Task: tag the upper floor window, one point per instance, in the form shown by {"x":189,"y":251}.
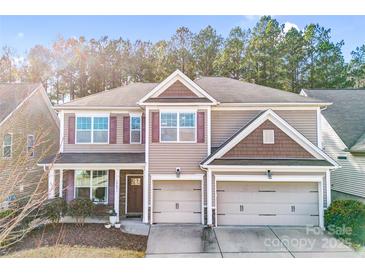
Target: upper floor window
{"x":92,"y":184}
{"x":92,"y":130}
{"x":178,"y":126}
{"x":30,"y":145}
{"x":135,"y":129}
{"x":7,"y":145}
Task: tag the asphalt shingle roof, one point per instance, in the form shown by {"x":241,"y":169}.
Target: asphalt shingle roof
{"x":346,"y":115}
{"x":94,"y":158}
{"x":271,"y":162}
{"x":224,"y":90}
{"x":11,"y":95}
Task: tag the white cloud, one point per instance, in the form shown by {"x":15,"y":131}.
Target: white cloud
{"x":288,"y":26}
{"x":20,"y":35}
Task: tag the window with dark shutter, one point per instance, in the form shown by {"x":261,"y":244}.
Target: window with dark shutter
{"x":201,"y":127}
{"x":113,"y":130}
{"x":126,"y":130}
{"x":155,"y":127}
{"x":71,"y":129}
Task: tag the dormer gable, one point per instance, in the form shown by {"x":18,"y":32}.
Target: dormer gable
{"x":177,"y":88}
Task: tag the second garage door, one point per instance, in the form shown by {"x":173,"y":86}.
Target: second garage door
{"x":177,"y":201}
{"x":267,"y":203}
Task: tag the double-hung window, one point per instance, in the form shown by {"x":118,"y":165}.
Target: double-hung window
{"x":92,"y":184}
{"x":135,"y":129}
{"x":178,"y":127}
{"x":7,"y":145}
{"x":92,"y":130}
{"x":30,"y":145}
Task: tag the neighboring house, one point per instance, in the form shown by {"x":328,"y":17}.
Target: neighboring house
{"x":214,"y":151}
{"x":29,"y":129}
{"x":343,"y":134}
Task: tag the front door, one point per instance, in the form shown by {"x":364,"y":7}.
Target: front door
{"x":135,"y":194}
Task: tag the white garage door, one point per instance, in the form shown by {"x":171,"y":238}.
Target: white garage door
{"x":177,"y":201}
{"x":267,"y":203}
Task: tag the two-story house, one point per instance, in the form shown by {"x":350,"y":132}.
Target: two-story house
{"x":214,"y":151}
{"x":29,"y":130}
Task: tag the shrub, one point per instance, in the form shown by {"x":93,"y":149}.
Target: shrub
{"x":54,"y":209}
{"x":80,"y":209}
{"x":346,"y":219}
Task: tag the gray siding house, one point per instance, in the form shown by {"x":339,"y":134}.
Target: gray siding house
{"x":343,"y":137}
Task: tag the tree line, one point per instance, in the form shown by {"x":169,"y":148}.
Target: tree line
{"x":267,"y":55}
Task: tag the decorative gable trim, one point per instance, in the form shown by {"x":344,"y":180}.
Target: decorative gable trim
{"x":169,"y":81}
{"x":281,"y":124}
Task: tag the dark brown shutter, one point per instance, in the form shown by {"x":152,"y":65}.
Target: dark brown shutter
{"x":113,"y":130}
{"x":70,"y":195}
{"x":201,"y":127}
{"x":155,"y":127}
{"x":71,"y":129}
{"x":126,"y":130}
{"x":111,"y":187}
{"x":143,"y":129}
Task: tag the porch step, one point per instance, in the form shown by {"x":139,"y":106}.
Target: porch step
{"x":134,"y":226}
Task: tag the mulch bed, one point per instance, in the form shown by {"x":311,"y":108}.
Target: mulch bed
{"x":94,"y":235}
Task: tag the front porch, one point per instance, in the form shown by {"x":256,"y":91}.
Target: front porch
{"x":110,"y":182}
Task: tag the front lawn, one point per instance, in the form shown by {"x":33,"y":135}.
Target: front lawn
{"x":62,"y":251}
{"x":72,"y":240}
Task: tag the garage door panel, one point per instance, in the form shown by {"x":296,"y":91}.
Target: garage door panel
{"x":297,"y":220}
{"x":177,"y":185}
{"x":269,"y":208}
{"x":177,"y":201}
{"x":267,"y":203}
{"x":266,"y":186}
{"x":267,"y":197}
{"x":177,"y":195}
{"x":176,"y":217}
{"x":178,"y":206}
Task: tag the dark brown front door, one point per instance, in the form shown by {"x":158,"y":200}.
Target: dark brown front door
{"x":135,"y":194}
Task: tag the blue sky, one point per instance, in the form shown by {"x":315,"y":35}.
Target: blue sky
{"x":23,"y":32}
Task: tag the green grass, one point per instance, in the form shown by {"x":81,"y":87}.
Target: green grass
{"x":63,"y":251}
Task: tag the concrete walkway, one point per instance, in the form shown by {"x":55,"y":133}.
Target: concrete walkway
{"x":179,"y":241}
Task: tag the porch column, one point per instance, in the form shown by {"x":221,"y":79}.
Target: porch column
{"x":145,"y":195}
{"x":51,"y":183}
{"x":116,"y":191}
{"x":209,"y":198}
{"x":61,"y":184}
{"x":328,"y":185}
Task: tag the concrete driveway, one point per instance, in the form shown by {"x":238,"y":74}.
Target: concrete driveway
{"x":243,"y":242}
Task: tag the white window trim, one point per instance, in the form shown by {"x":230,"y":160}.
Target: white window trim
{"x":33,"y":152}
{"x":139,"y":115}
{"x":11,"y":146}
{"x":91,"y":187}
{"x":266,"y":137}
{"x":92,"y":128}
{"x":178,"y":112}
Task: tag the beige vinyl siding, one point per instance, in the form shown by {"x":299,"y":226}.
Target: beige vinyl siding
{"x":227,"y":122}
{"x":118,"y":147}
{"x":350,"y":178}
{"x":165,"y":157}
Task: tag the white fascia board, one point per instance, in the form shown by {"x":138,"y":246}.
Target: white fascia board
{"x":226,"y":107}
{"x":157,"y":177}
{"x":178,"y":104}
{"x":106,"y":108}
{"x":172,"y":78}
{"x":222,"y":104}
{"x":220,"y":168}
{"x":285,"y":127}
{"x":303,"y":93}
{"x":264,"y":178}
{"x":94,"y":166}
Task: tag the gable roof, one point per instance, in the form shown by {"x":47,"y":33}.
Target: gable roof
{"x":346,"y":115}
{"x":281,"y":124}
{"x":176,"y":76}
{"x":227,"y":90}
{"x":12,"y":95}
{"x":210,"y":90}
